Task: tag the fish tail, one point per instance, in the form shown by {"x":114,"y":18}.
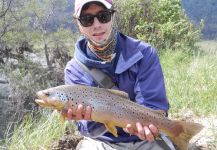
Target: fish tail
{"x":189,"y":130}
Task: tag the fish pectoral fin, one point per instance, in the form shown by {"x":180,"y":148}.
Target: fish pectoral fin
{"x":111,"y":128}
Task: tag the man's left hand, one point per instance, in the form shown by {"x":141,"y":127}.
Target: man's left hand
{"x":143,"y":132}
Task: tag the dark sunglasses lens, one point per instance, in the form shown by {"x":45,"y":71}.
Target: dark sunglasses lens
{"x":86,"y":20}
{"x":104,"y":17}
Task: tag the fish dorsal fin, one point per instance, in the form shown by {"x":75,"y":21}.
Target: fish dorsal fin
{"x":119,"y":93}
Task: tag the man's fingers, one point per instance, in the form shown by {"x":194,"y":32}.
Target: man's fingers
{"x":87,"y":114}
{"x":79,"y":112}
{"x":141,"y":132}
{"x":69,"y":114}
{"x":153,"y":129}
{"x":148,"y":134}
{"x":129,"y":129}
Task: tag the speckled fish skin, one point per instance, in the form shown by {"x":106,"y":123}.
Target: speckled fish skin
{"x":113,"y":108}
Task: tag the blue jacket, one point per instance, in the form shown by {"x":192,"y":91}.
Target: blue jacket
{"x":136,"y":70}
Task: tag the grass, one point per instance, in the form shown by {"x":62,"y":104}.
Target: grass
{"x":36,"y":134}
{"x":190,"y":83}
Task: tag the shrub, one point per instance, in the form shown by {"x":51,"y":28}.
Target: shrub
{"x":159,"y":22}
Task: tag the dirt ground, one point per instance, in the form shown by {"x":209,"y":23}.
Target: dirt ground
{"x":205,"y":140}
{"x":67,"y":142}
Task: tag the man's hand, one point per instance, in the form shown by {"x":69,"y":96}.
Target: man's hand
{"x":79,"y":113}
{"x":143,"y":132}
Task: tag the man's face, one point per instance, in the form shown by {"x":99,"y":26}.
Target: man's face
{"x":98,"y":32}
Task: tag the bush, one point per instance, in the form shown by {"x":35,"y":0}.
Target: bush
{"x":159,"y":22}
{"x":24,"y":80}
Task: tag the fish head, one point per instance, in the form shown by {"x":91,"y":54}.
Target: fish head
{"x":51,"y":98}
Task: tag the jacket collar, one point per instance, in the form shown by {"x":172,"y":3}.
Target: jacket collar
{"x":130,"y":53}
{"x":129,"y":49}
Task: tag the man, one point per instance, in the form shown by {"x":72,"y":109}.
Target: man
{"x":134,"y":68}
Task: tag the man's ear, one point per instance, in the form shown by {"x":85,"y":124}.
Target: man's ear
{"x":77,"y":23}
{"x":79,"y":27}
{"x":74,"y":20}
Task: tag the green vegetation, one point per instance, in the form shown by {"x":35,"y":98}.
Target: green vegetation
{"x":161,"y":23}
{"x":190,"y":81}
{"x":37,"y":29}
{"x":38,"y":133}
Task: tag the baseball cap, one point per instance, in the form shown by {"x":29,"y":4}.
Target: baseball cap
{"x":80,"y":3}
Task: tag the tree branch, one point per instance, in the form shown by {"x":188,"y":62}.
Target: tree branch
{"x":4,"y":13}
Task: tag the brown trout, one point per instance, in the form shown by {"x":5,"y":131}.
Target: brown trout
{"x":113,"y":108}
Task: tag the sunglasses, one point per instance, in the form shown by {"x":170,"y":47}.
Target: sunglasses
{"x":103,"y":17}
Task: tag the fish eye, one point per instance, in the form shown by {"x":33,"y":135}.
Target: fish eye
{"x":46,"y":93}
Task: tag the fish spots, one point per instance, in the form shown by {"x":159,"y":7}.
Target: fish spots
{"x":120,"y":115}
{"x":70,"y":97}
{"x":84,"y":93}
{"x":62,"y":96}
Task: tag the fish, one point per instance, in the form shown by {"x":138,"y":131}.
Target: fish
{"x":114,"y":109}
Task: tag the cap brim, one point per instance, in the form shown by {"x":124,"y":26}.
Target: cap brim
{"x":105,"y":3}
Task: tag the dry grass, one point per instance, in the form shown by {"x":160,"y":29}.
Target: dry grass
{"x":208,"y":46}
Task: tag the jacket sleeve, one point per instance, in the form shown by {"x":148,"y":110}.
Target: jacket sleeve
{"x":73,"y":74}
{"x":149,"y":87}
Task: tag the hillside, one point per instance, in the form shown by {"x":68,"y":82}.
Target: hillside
{"x":198,"y":10}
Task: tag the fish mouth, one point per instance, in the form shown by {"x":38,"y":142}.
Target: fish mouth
{"x":42,"y":94}
{"x":45,"y":99}
{"x":40,"y":102}
{"x":50,"y":104}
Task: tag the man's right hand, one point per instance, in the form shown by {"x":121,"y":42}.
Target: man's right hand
{"x":79,"y":113}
